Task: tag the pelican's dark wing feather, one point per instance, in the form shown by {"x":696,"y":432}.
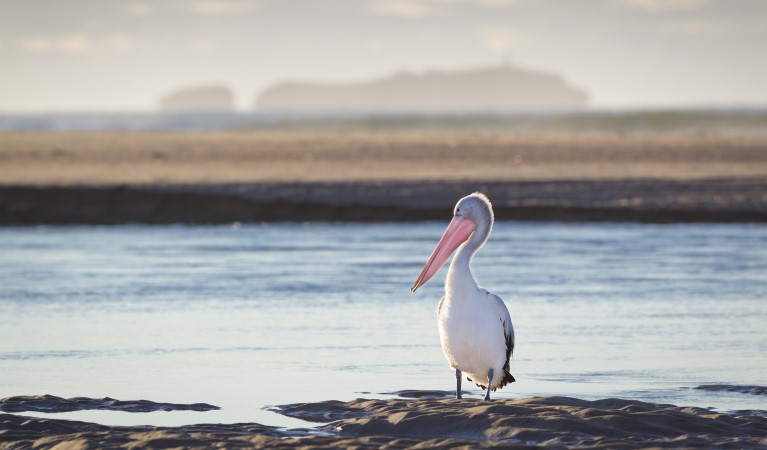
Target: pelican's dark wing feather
{"x":508,"y":334}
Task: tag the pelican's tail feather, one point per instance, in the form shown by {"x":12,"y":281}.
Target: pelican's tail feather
{"x":507,"y":378}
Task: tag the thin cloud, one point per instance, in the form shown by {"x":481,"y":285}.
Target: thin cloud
{"x":221,"y":7}
{"x":661,"y":6}
{"x":69,"y":44}
{"x":140,"y":9}
{"x":120,"y":42}
{"x":73,"y":44}
{"x":499,"y":39}
{"x":407,"y":9}
{"x":700,"y":26}
{"x":370,"y":44}
{"x":412,"y":9}
{"x":203,"y":46}
{"x":482,"y":2}
{"x":691,"y":26}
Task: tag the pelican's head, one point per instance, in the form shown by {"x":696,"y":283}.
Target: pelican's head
{"x":471,"y":212}
{"x":477,"y":208}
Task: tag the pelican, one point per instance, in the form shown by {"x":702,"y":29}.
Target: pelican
{"x":474,"y":324}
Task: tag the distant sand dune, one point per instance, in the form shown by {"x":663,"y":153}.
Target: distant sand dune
{"x":229,"y":157}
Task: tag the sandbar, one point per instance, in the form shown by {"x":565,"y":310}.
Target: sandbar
{"x":261,"y":176}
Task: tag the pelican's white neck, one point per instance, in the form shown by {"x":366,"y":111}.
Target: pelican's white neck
{"x":459,"y":275}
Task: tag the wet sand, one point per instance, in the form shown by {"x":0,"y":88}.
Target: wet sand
{"x":220,"y":177}
{"x":753,"y":390}
{"x":54,"y":404}
{"x":152,"y":158}
{"x":650,"y":201}
{"x":553,"y":422}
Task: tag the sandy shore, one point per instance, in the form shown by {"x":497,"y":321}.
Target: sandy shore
{"x":49,"y":158}
{"x":551,"y":422}
{"x":221,"y":177}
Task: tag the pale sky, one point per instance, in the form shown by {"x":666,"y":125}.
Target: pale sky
{"x":123,"y":55}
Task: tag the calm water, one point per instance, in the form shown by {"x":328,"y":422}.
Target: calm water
{"x":251,"y":316}
{"x":717,"y":120}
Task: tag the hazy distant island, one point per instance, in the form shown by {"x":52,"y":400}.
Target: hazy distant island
{"x":212,"y":98}
{"x":503,"y":88}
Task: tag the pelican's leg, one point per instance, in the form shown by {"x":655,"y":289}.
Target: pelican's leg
{"x":457,"y":383}
{"x":489,"y":383}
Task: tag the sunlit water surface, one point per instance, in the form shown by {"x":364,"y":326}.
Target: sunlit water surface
{"x":252,"y":316}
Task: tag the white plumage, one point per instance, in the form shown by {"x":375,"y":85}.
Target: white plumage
{"x":475,"y":326}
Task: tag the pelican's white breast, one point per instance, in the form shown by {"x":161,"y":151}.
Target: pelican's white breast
{"x":472,"y":334}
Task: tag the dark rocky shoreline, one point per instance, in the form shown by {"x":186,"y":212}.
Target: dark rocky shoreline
{"x":643,"y":200}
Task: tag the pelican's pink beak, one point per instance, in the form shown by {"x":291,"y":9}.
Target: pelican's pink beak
{"x":457,"y":233}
